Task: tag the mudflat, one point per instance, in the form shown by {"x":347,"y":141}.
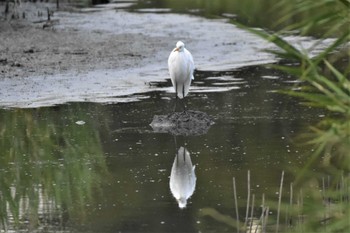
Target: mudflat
{"x":110,"y":54}
{"x":28,"y":48}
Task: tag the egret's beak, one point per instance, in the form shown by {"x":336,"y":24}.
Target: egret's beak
{"x":176,"y":49}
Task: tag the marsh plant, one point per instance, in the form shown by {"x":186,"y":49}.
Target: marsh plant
{"x":319,"y":197}
{"x":49,"y":169}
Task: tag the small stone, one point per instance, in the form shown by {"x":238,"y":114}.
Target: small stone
{"x":80,"y":122}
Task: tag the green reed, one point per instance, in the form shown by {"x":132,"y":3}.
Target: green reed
{"x":49,"y":168}
{"x":321,"y":202}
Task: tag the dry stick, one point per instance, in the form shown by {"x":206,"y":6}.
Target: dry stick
{"x":323,"y":189}
{"x":299,"y":222}
{"x":261,"y":220}
{"x":328,"y":201}
{"x":236,"y":203}
{"x":346,"y":187}
{"x":291,"y":203}
{"x":290,"y":207}
{"x":337,"y":187}
{"x":301,"y":217}
{"x":248,"y":198}
{"x":251,"y":214}
{"x":48,"y":14}
{"x":328,"y":181}
{"x":279,"y":202}
{"x":263,"y":210}
{"x":7,"y":7}
{"x":324,"y":201}
{"x":267,"y":211}
{"x":342,"y":190}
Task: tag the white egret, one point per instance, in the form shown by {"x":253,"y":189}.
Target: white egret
{"x":182,"y":178}
{"x":181,"y":68}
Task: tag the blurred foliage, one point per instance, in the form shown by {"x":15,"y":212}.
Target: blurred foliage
{"x":318,"y":205}
{"x":330,"y":15}
{"x":326,"y":86}
{"x":321,"y":203}
{"x":269,"y":14}
{"x":48,"y":168}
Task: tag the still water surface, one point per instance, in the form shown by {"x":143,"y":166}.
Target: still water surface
{"x":86,"y":167}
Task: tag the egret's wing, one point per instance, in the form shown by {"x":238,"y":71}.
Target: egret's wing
{"x":191,"y":66}
{"x":171,"y":59}
{"x":171,"y":66}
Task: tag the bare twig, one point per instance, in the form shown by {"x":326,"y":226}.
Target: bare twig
{"x":279,"y":202}
{"x":263,"y":211}
{"x":236,"y":203}
{"x":266,"y":218}
{"x":291,"y":203}
{"x":252,"y":213}
{"x":248,"y":198}
{"x":261,"y":220}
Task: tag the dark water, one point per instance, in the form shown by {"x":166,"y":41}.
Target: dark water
{"x":248,"y":12}
{"x":265,"y":14}
{"x":85,"y":167}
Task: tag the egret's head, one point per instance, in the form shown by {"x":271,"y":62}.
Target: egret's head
{"x":180,"y":46}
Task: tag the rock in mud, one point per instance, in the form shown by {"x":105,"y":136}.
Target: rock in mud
{"x":183,"y":123}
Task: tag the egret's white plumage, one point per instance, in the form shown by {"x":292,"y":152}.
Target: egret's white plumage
{"x":181,"y":68}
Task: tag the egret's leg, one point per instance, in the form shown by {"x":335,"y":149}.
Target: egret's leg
{"x":185,"y":107}
{"x":184,"y":101}
{"x":176,"y":91}
{"x":175,"y":105}
{"x":175,"y":97}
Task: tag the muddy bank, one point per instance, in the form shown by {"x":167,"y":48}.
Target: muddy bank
{"x":27,"y":49}
{"x":107,"y":54}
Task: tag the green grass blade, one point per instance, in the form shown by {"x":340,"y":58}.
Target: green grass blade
{"x":274,"y":38}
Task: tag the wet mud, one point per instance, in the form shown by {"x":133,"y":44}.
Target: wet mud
{"x":186,"y":123}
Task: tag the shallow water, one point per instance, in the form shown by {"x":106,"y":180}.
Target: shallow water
{"x":87,"y":167}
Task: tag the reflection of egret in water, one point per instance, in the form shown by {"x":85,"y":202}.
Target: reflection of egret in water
{"x":182,"y":177}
